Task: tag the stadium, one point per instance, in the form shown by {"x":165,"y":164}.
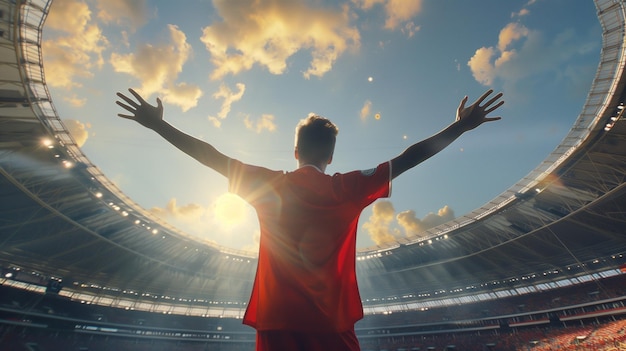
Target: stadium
{"x":539,"y":267}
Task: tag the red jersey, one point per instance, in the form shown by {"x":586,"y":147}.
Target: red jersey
{"x":306,"y":278}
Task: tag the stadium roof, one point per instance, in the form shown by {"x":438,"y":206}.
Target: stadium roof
{"x":61,"y":218}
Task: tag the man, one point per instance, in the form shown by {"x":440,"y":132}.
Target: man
{"x":305,"y":295}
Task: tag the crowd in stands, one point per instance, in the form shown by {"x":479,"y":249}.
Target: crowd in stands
{"x":609,"y":336}
{"x":595,"y":311}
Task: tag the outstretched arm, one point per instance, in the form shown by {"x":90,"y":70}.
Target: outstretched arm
{"x":151,"y":117}
{"x":467,"y":118}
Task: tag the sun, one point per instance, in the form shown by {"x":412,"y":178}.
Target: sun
{"x":230,"y":210}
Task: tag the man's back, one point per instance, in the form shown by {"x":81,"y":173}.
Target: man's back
{"x":306,"y":276}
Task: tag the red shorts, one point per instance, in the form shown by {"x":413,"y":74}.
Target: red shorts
{"x":278,"y":340}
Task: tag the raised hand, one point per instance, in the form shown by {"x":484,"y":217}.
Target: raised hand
{"x":143,"y":113}
{"x":474,"y":115}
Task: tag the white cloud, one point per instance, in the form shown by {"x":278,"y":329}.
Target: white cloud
{"x":131,"y":12}
{"x":76,"y":45}
{"x":410,"y":28}
{"x":157,"y":68}
{"x":413,"y":226}
{"x":182,"y":94}
{"x":225,"y":221}
{"x":265,"y":122}
{"x":78,"y":131}
{"x":524,"y":11}
{"x":69,"y":16}
{"x":75,"y":100}
{"x":511,"y":33}
{"x":229,"y":97}
{"x":365,"y":110}
{"x":227,"y":210}
{"x":217,"y":123}
{"x":269,"y":32}
{"x":521,"y":13}
{"x":378,"y":226}
{"x":382,"y":224}
{"x":367,"y":4}
{"x":398,"y":13}
{"x":488,"y":62}
{"x":481,"y":66}
{"x":188,"y":212}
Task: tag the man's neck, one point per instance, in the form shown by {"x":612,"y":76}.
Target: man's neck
{"x":319,"y":167}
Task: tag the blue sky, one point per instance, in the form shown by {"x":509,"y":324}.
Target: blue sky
{"x":241,"y":74}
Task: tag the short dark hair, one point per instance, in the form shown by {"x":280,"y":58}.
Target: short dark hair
{"x":315,"y":139}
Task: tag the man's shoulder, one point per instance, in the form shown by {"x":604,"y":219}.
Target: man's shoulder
{"x":235,"y":166}
{"x":369,"y":172}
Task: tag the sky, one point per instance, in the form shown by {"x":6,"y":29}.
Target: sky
{"x":240,"y":74}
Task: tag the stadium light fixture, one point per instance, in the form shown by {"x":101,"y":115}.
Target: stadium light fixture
{"x":47,"y":142}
